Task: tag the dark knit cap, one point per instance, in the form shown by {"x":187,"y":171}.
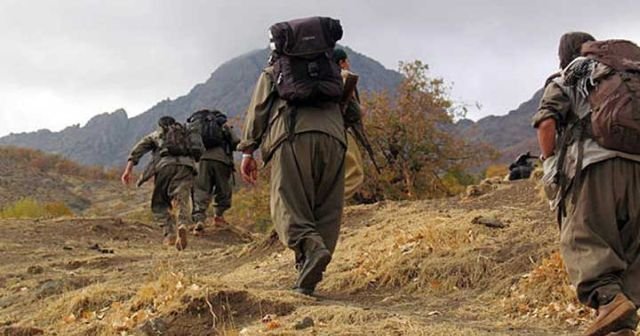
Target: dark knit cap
{"x":339,"y":55}
{"x":166,"y":121}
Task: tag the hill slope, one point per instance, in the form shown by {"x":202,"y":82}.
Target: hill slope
{"x":44,"y":178}
{"x":106,"y":139}
{"x":401,"y":268}
{"x":512,"y":133}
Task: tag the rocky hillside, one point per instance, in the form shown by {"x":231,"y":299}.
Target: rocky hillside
{"x":106,"y":139}
{"x":512,"y":133}
{"x":26,"y":173}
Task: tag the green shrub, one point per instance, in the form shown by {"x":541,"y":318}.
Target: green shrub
{"x":30,"y":208}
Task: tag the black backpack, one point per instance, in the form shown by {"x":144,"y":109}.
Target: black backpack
{"x":209,"y":124}
{"x":303,"y":63}
{"x":179,"y":140}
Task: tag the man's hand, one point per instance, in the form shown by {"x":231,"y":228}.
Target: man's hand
{"x":127,"y":175}
{"x":363,"y":112}
{"x":249,"y":169}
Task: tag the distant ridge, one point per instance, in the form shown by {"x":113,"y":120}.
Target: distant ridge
{"x":107,"y":138}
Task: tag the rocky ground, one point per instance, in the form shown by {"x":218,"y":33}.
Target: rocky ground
{"x":479,"y":265}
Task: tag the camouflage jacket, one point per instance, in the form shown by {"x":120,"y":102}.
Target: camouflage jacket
{"x":266,"y":123}
{"x":152,"y":143}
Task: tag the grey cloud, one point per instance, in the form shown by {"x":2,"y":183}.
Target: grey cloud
{"x":94,"y":56}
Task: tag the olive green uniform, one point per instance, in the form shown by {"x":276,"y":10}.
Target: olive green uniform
{"x":307,"y":168}
{"x":173,"y":179}
{"x":600,"y":229}
{"x":353,"y":165}
{"x":214,"y":180}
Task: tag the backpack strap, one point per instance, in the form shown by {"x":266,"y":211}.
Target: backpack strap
{"x":290,"y":111}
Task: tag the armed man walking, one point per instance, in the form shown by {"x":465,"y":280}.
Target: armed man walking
{"x":175,"y":150}
{"x":588,"y":126}
{"x":214,"y":180}
{"x":353,"y":166}
{"x":295,"y":119}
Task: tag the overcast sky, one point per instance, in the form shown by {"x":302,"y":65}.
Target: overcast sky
{"x":61,"y":62}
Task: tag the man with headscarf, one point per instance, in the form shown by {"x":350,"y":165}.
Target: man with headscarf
{"x":597,"y":194}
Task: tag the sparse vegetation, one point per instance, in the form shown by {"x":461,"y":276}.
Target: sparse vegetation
{"x":496,"y":170}
{"x":411,"y":133}
{"x":546,"y":293}
{"x":30,"y":208}
{"x":251,"y":205}
{"x":40,"y":161}
{"x":401,"y":268}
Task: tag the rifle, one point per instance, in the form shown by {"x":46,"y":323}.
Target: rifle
{"x":354,"y":122}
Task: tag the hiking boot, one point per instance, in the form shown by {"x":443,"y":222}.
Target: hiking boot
{"x":169,"y":233}
{"x":623,"y":332}
{"x":311,"y":272}
{"x":304,"y":291}
{"x":181,"y":240}
{"x":220,"y":221}
{"x":169,"y":240}
{"x":198,"y":229}
{"x":612,"y":317}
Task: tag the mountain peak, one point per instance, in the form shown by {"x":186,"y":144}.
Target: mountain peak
{"x":107,"y":138}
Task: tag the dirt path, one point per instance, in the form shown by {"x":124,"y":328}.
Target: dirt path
{"x":108,"y":276}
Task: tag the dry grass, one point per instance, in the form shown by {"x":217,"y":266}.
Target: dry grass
{"x":87,"y":304}
{"x":497,"y":170}
{"x":546,"y":293}
{"x":401,"y":268}
{"x":429,"y":252}
{"x":250,"y":208}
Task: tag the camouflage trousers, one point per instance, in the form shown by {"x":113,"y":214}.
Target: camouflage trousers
{"x":170,"y":202}
{"x":212,"y":183}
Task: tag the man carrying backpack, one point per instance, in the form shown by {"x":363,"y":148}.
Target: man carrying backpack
{"x":521,"y":168}
{"x":295,"y":119}
{"x":588,"y":126}
{"x":216,"y":167}
{"x":175,"y":150}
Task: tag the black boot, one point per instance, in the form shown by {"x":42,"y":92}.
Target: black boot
{"x":316,"y":259}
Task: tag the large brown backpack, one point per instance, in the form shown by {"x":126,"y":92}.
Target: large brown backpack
{"x":615,"y":99}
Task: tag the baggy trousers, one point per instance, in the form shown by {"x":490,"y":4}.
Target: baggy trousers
{"x":307,"y":191}
{"x":600,"y":237}
{"x":171,"y":194}
{"x":354,"y":169}
{"x":213,"y":182}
